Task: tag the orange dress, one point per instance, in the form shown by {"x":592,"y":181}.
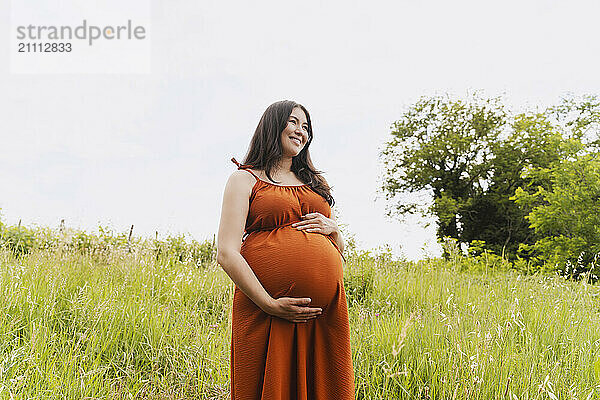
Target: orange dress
{"x":273,"y":358}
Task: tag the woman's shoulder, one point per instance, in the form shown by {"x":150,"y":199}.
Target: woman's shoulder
{"x":242,"y":175}
{"x":241,"y":181}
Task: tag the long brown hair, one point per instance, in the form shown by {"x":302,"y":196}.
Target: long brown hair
{"x":265,"y":149}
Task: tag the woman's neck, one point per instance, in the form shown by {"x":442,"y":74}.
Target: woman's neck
{"x":284,"y":165}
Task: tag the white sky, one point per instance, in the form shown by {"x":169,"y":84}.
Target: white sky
{"x":154,"y":150}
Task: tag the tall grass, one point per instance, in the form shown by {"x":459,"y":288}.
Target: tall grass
{"x":128,"y":324}
{"x":430,"y":330}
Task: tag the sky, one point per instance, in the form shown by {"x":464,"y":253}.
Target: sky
{"x":153,"y":149}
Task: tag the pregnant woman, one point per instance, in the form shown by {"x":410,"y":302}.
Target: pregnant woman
{"x":280,"y":244}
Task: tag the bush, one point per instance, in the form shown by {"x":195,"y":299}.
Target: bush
{"x":565,"y":215}
{"x":19,"y":240}
{"x":106,"y":244}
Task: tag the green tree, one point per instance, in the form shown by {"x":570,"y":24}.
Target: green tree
{"x":531,"y":141}
{"x":470,"y":157}
{"x":565,"y":215}
{"x":441,"y":146}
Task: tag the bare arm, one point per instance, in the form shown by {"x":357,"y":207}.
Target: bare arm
{"x":229,"y":240}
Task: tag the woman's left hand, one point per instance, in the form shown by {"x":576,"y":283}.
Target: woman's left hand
{"x":316,"y":222}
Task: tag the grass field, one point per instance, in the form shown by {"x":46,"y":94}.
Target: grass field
{"x":125,"y":325}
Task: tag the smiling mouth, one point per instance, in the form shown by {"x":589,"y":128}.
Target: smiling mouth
{"x":296,"y":140}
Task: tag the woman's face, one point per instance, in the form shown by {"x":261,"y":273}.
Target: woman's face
{"x":295,"y":135}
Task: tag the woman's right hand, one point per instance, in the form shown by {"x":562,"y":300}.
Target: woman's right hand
{"x":293,"y":309}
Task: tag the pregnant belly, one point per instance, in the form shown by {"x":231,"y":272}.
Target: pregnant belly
{"x":293,"y":263}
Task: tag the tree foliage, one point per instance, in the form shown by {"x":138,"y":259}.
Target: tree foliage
{"x":566,"y":217}
{"x":472,"y":155}
{"x":442,"y":146}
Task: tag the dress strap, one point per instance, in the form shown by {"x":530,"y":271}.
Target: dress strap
{"x":244,"y":167}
